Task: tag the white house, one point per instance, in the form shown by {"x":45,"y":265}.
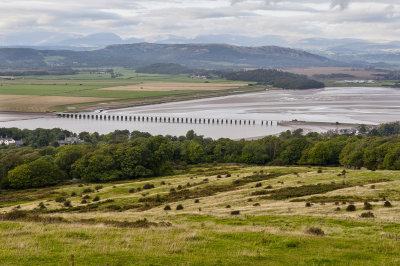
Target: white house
{"x":6,"y":141}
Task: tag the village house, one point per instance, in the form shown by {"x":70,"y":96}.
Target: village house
{"x":70,"y":141}
{"x":10,"y":141}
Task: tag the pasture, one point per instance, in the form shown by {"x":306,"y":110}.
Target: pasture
{"x":207,"y":215}
{"x":95,"y":90}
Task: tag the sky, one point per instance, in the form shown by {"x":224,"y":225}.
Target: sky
{"x":44,"y":21}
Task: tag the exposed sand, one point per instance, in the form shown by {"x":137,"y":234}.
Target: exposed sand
{"x":174,"y":86}
{"x":31,"y":103}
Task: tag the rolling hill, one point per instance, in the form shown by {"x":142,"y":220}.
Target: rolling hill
{"x":189,"y":55}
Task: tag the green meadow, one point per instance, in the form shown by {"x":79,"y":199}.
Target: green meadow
{"x":216,"y":215}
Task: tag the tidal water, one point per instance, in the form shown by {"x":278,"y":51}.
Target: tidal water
{"x":361,"y":105}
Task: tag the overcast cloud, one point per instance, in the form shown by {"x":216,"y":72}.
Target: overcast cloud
{"x":155,"y":19}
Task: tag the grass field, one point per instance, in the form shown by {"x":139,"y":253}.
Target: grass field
{"x":231,"y":215}
{"x":92,"y":89}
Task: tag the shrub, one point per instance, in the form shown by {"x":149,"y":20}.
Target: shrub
{"x":60,"y":199}
{"x":162,"y":182}
{"x":167,"y":208}
{"x":98,"y":187}
{"x":367,"y":215}
{"x":249,"y":200}
{"x":387,"y":204}
{"x":372,"y":186}
{"x":139,"y":189}
{"x":196,"y":201}
{"x":235,"y":212}
{"x":97,"y":198}
{"x":319,"y":171}
{"x":132,"y":190}
{"x":73,"y":194}
{"x":88,"y":190}
{"x":219,"y":176}
{"x":114,"y":207}
{"x":259,"y":184}
{"x":315,"y":231}
{"x":351,"y":208}
{"x":148,"y":186}
{"x":308,"y":204}
{"x":227,"y":206}
{"x":14,"y":215}
{"x":41,"y":205}
{"x":179,"y":207}
{"x":80,"y":185}
{"x":228,"y":175}
{"x":86,"y":197}
{"x":179,"y":187}
{"x":367,"y":206}
{"x":172,"y":190}
{"x":337,"y":209}
{"x":268,"y":187}
{"x":256,"y":204}
{"x":83,"y":201}
{"x":336,"y":203}
{"x":67,"y":203}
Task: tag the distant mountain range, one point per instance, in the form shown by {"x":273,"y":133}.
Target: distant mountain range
{"x":189,"y":55}
{"x":345,"y":50}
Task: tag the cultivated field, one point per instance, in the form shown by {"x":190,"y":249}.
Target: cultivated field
{"x":208,"y":215}
{"x":176,"y":86}
{"x":95,"y":90}
{"x":30,"y":103}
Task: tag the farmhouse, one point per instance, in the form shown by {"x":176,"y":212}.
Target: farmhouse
{"x":70,"y":141}
{"x":10,"y":141}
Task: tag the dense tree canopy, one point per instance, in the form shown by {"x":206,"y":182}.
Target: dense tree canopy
{"x":127,"y":155}
{"x":276,"y":78}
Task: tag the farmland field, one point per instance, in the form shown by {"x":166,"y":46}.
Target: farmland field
{"x":225,"y":215}
{"x":94,"y":90}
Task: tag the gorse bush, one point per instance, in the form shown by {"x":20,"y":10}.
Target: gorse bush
{"x":367,"y":206}
{"x":351,"y":208}
{"x":367,"y":215}
{"x":60,"y":199}
{"x":387,"y":204}
{"x":148,"y":186}
{"x":315,"y":231}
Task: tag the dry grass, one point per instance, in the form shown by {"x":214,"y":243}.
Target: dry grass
{"x":32,"y":103}
{"x":275,"y":227}
{"x":174,"y":86}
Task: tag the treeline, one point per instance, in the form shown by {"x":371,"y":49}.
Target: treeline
{"x":164,"y":68}
{"x":40,"y":72}
{"x":275,"y":78}
{"x":333,"y":76}
{"x":128,"y":155}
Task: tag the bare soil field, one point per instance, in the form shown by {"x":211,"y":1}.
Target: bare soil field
{"x":358,"y":73}
{"x":33,"y":103}
{"x":174,"y":86}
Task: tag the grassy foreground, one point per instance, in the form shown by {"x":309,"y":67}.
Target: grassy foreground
{"x":231,"y":215}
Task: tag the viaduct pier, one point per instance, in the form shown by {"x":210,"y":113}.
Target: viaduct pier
{"x":167,"y":119}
